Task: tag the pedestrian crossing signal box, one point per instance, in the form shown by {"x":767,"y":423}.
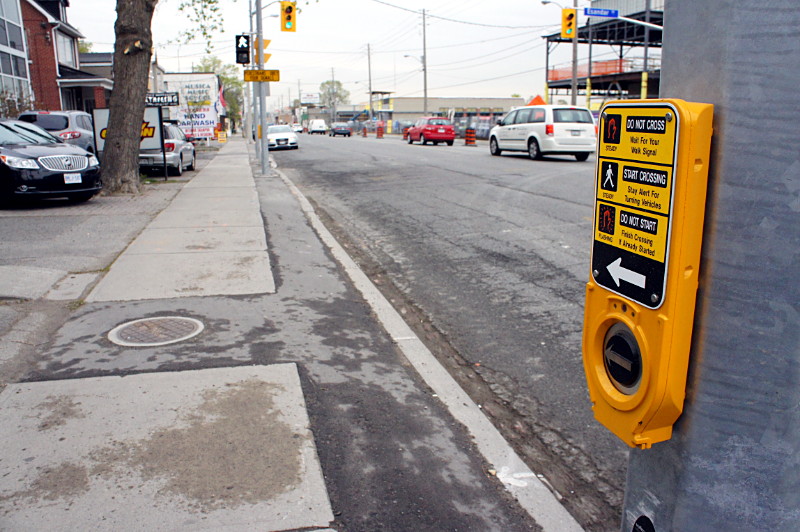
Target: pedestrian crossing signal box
{"x":650,"y":192}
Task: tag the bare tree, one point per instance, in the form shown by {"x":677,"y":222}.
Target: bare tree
{"x":132,"y":52}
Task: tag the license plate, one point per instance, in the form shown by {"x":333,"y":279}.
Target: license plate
{"x":441,"y":130}
{"x":72,"y":178}
{"x":282,"y":141}
{"x":576,"y":132}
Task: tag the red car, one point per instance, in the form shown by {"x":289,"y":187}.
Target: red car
{"x":434,"y":129}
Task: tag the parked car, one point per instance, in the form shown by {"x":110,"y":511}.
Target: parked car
{"x":74,"y":127}
{"x":434,"y":129}
{"x":297,"y":128}
{"x":545,"y":129}
{"x":180,"y":153}
{"x":36,"y":164}
{"x":340,"y":128}
{"x":281,"y":137}
{"x":317,"y":126}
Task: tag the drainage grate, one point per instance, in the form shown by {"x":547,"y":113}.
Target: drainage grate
{"x":152,"y":332}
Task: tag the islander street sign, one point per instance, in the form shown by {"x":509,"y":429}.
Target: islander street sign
{"x":633,"y":205}
{"x":161,"y":99}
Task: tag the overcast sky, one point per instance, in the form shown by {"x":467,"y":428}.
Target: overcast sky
{"x":475,"y":48}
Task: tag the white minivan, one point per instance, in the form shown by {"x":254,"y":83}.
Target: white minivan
{"x":544,"y":130}
{"x":317,"y":126}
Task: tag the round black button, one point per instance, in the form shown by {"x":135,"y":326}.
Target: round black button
{"x":622,"y":358}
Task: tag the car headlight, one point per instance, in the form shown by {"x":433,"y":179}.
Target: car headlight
{"x":93,"y":161}
{"x":19,"y":162}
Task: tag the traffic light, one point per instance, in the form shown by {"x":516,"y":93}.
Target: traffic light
{"x":243,"y":49}
{"x":288,"y":16}
{"x":569,"y":23}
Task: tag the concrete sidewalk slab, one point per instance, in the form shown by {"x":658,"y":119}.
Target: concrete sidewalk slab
{"x":158,"y":275}
{"x":209,"y":241}
{"x":203,"y":217}
{"x":199,"y":240}
{"x":27,"y":282}
{"x":217,"y":449}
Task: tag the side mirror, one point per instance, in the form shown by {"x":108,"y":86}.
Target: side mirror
{"x":499,"y":121}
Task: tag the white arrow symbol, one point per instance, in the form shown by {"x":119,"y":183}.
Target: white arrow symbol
{"x":618,"y":272}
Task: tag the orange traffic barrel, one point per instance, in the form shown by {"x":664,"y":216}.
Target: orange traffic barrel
{"x":469,"y":138}
{"x":405,"y":133}
{"x":380,"y":132}
{"x":364,"y":131}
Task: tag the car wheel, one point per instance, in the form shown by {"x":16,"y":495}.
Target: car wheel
{"x":178,"y":170}
{"x":423,"y":140}
{"x":410,"y":140}
{"x":533,"y":149}
{"x":449,"y":142}
{"x":191,"y":163}
{"x":581,"y":156}
{"x":494,"y":149}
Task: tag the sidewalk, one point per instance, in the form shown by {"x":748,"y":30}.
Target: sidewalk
{"x":249,"y":386}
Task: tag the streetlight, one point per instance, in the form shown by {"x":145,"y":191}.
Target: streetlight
{"x":424,"y":81}
{"x":574,"y":84}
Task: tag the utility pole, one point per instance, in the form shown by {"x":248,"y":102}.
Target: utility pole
{"x":732,"y":461}
{"x":574,"y":84}
{"x":333,"y":97}
{"x":262,"y":115}
{"x":425,"y":65}
{"x":369,"y":72}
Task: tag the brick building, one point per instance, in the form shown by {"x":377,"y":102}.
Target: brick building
{"x":56,"y":80}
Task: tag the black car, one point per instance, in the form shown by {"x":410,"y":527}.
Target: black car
{"x":340,"y":128}
{"x":35,"y":164}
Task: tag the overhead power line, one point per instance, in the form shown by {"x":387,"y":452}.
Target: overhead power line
{"x":459,"y":21}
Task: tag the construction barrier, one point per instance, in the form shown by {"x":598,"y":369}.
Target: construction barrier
{"x":469,"y":138}
{"x":364,"y":132}
{"x":380,"y":132}
{"x":405,"y":133}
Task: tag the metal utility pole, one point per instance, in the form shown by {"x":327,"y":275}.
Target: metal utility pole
{"x":251,"y":116}
{"x":369,"y":72}
{"x":333,"y":96}
{"x":732,"y":461}
{"x":262,"y":115}
{"x":425,"y":64}
{"x":574,"y":84}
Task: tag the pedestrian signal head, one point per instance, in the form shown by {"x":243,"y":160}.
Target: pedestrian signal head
{"x":569,"y":23}
{"x":288,"y":16}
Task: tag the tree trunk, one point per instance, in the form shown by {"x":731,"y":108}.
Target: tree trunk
{"x":132,"y":52}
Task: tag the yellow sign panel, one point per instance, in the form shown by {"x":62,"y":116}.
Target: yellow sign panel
{"x":645,"y":134}
{"x":650,"y":183}
{"x":262,"y":75}
{"x":634,"y":184}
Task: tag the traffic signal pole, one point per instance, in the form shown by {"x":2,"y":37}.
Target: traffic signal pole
{"x":262,"y":114}
{"x":733,"y":461}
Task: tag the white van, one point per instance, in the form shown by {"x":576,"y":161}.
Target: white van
{"x":317,"y":126}
{"x":546,"y":129}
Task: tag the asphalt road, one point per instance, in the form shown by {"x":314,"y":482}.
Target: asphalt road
{"x":488,"y":257}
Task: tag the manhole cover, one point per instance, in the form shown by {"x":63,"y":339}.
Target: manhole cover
{"x":152,"y":332}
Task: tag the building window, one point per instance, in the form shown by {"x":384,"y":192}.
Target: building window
{"x":15,"y":37}
{"x":66,"y":50}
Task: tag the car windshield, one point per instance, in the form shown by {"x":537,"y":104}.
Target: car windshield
{"x":581,"y":116}
{"x":279,"y":129}
{"x":47,"y":121}
{"x":439,"y":122}
{"x":17,"y":133}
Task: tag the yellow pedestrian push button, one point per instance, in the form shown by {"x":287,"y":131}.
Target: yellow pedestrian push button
{"x":650,"y":191}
